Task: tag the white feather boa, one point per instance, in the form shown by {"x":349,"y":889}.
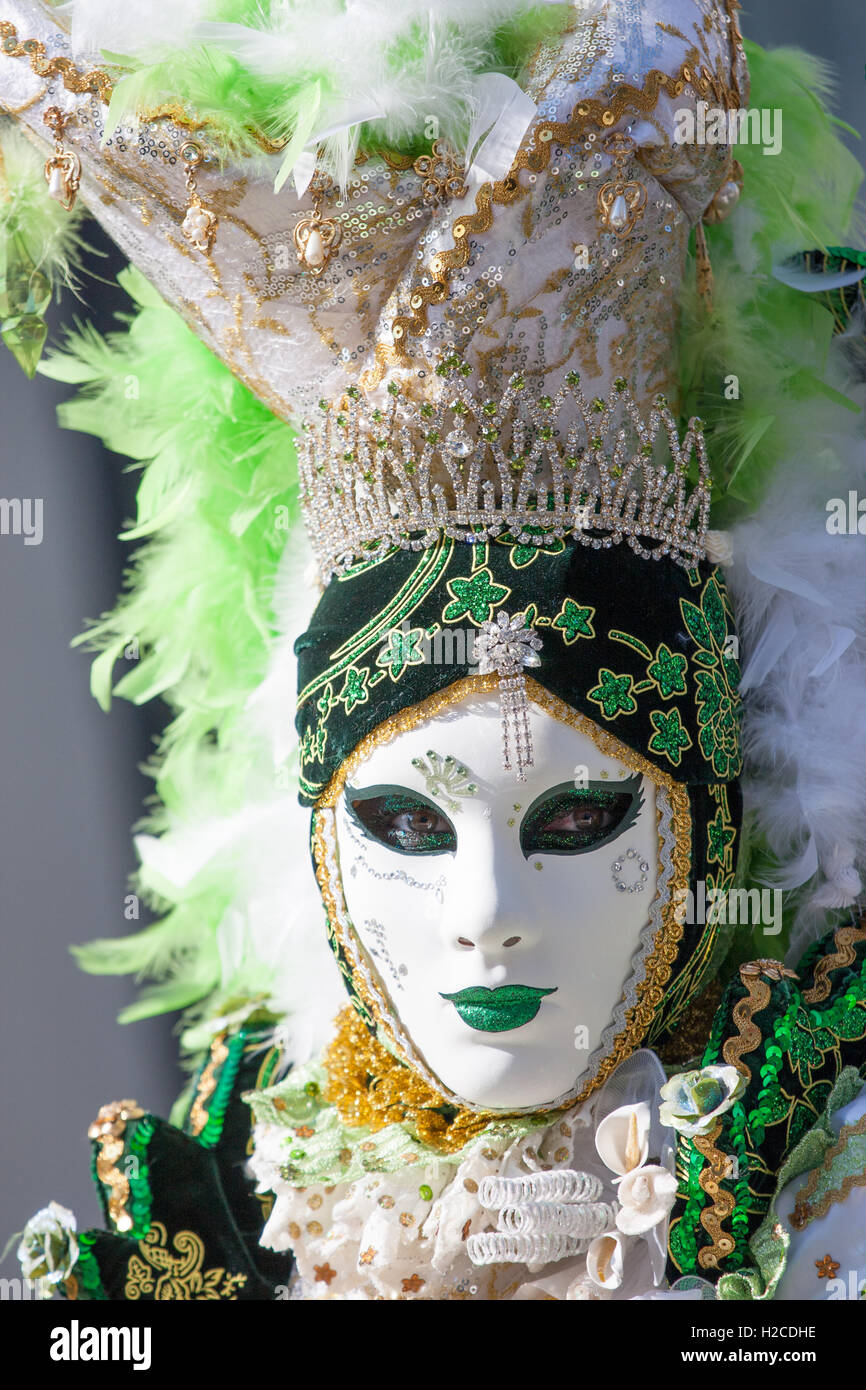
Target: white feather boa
{"x":800,"y":597}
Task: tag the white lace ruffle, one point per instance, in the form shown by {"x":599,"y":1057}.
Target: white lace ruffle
{"x":534,"y":1207}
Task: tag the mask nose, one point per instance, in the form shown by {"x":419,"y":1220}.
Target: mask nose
{"x":488,"y":907}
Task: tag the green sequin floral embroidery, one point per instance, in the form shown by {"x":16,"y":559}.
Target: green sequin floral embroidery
{"x":354,"y":690}
{"x":717,"y":681}
{"x":402,"y":649}
{"x":312,"y":746}
{"x":720,"y":840}
{"x":668,"y":670}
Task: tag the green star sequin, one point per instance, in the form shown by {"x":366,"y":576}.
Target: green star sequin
{"x":668,"y":671}
{"x":354,"y":690}
{"x":613,"y":693}
{"x":720,"y":838}
{"x":475,"y":598}
{"x":402,"y":649}
{"x":670,"y":737}
{"x":574,"y":621}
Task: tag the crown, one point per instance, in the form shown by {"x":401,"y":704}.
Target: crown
{"x":532,"y":466}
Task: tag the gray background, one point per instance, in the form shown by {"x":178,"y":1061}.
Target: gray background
{"x":70,"y":788}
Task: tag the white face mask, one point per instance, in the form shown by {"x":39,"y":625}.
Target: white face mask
{"x":502,"y":918}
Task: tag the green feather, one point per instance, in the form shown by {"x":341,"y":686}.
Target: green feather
{"x":216,"y":466}
{"x":774,"y":340}
{"x":40,"y":247}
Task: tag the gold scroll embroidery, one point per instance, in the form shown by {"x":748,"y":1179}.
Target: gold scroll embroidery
{"x":164,"y":1276}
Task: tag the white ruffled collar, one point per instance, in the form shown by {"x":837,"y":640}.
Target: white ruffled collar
{"x":578,"y":1210}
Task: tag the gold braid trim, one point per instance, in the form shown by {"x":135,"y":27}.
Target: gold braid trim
{"x":589,"y":111}
{"x":718,"y":1165}
{"x":804,"y":1211}
{"x":73,"y":80}
{"x":207,"y":1084}
{"x":844,"y":955}
{"x":370,"y":1087}
{"x":108,"y":1130}
{"x":749,"y":1034}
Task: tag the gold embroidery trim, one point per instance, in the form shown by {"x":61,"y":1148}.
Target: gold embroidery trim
{"x":738,"y":51}
{"x":659,"y":962}
{"x":717,"y":1167}
{"x":73,"y":80}
{"x":370,"y":1087}
{"x":844,"y":955}
{"x":162,"y":1276}
{"x":207,"y":1084}
{"x":588,"y":111}
{"x":804,"y":1211}
{"x":108,"y":1130}
{"x":748,"y":1033}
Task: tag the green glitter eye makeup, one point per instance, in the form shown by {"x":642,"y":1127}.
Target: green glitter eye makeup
{"x":403,"y":820}
{"x":572,"y":820}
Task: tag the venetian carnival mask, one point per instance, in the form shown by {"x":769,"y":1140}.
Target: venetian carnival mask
{"x":502,"y":918}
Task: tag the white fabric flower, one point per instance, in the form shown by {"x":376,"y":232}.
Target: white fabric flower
{"x":605,"y":1260}
{"x":646,"y":1196}
{"x":622,"y":1138}
{"x":693,"y":1100}
{"x":49,"y":1248}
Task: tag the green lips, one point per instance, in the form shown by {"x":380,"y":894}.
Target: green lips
{"x":497,"y":1010}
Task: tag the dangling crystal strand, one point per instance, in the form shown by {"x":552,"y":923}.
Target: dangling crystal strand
{"x":515,"y":721}
{"x":505,"y":721}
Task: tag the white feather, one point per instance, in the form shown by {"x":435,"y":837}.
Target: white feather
{"x":142,"y":30}
{"x":348,"y":45}
{"x":800,"y":597}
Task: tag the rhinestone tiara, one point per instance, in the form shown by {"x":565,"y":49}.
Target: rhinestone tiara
{"x":532,"y":466}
